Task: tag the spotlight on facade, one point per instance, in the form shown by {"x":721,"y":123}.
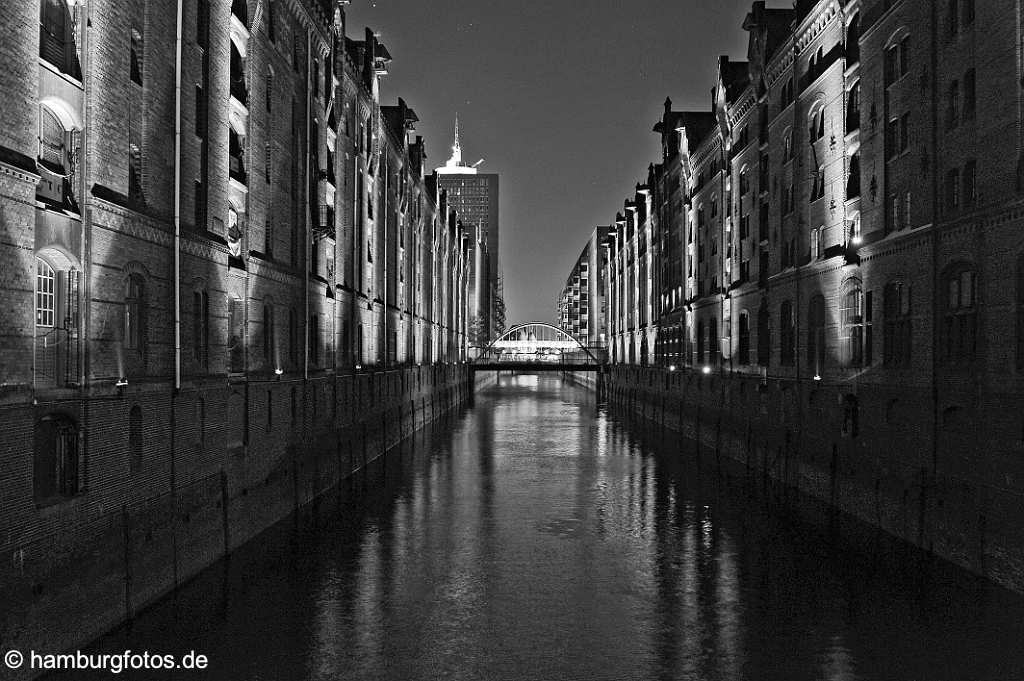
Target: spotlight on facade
{"x":707,"y":370}
{"x":817,"y":377}
{"x":671,"y":367}
{"x":359,"y":367}
{"x":856,"y":241}
{"x":121,"y":383}
{"x":277,"y":372}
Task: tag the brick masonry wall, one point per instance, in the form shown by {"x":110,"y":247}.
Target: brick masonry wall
{"x":895,"y":472}
{"x":73,"y":571}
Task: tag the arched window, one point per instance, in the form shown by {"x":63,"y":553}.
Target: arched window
{"x":854,"y":323}
{"x":45,"y":294}
{"x":853,"y":108}
{"x":816,"y":335}
{"x":743,"y":355}
{"x":52,"y":141}
{"x":787,"y":148}
{"x":236,"y":334}
{"x":960,"y":316}
{"x":896,"y":343}
{"x":236,"y":151}
{"x":135,"y":314}
{"x":817,"y":122}
{"x":135,"y":438}
{"x":55,"y":459}
{"x":764,"y":341}
{"x":787,"y":334}
{"x":853,"y":40}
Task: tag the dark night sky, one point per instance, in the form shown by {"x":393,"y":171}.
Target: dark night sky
{"x":559,"y":97}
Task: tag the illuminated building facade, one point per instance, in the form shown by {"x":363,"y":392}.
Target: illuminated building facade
{"x":581,"y":306}
{"x":474,"y":196}
{"x":200,"y":265}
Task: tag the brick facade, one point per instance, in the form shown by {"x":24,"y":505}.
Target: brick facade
{"x":163,"y":351}
{"x":851,"y":226}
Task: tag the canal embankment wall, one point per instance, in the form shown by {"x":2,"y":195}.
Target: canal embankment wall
{"x":881,"y":455}
{"x":206,"y":483}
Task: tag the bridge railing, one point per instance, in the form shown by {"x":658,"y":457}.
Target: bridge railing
{"x":589,"y":356}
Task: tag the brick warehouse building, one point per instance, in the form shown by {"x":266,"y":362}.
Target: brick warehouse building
{"x":841,"y":265}
{"x":151,"y":427}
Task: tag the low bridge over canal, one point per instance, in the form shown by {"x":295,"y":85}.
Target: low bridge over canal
{"x":538,"y":346}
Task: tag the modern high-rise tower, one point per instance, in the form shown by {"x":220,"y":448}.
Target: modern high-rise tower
{"x":474,"y":195}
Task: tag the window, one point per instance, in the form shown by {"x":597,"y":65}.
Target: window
{"x":816,"y":335}
{"x":135,"y":314}
{"x":970,"y":196}
{"x":200,"y":327}
{"x":56,"y":460}
{"x":269,"y":336}
{"x":817,"y":241}
{"x":744,"y":339}
{"x":714,"y":206}
{"x":898,"y":336}
{"x":818,"y":189}
{"x":787,"y":94}
{"x":960,"y":320}
{"x":787,"y":334}
{"x":856,"y":320}
{"x":744,"y":182}
{"x":897,"y":136}
{"x":45,"y":294}
{"x":57,"y":37}
{"x":135,"y":439}
{"x":199,"y":205}
{"x":200,"y":113}
{"x":853,"y":108}
{"x":764,"y":342}
{"x":970,"y":95}
{"x":953,"y":189}
{"x":135,"y":57}
{"x":968,"y":12}
{"x":202,"y":22}
{"x":268,"y":240}
{"x":787,"y":146}
{"x":953,"y":17}
{"x":853,"y":180}
{"x":953,"y":105}
{"x":236,"y":335}
{"x":897,"y":60}
{"x":817,"y":129}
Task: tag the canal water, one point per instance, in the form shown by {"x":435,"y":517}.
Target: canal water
{"x":537,"y":536}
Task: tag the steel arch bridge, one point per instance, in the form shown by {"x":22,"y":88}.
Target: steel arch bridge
{"x":539,"y":346}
